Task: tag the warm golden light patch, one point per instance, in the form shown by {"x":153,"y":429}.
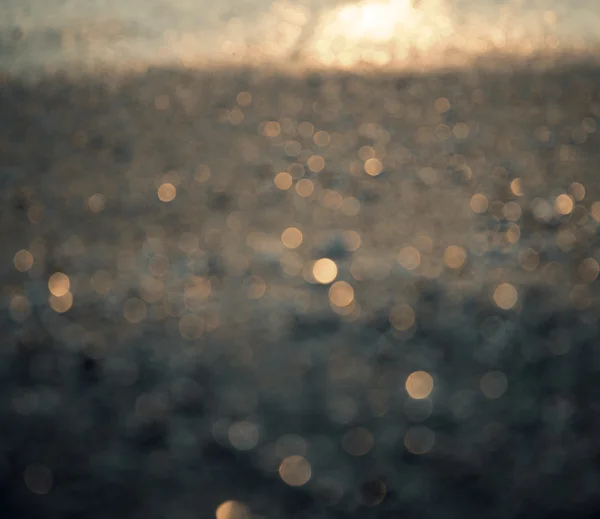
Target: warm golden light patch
{"x":424,"y":243}
{"x":202,"y":174}
{"x":563,"y":204}
{"x":353,"y":27}
{"x":428,"y":175}
{"x":419,"y":385}
{"x":272,"y":129}
{"x":167,"y":192}
{"x":59,"y":284}
{"x":61,"y":304}
{"x":442,"y":105}
{"x":455,"y":256}
{"x":316,"y":163}
{"x":324,"y":271}
{"x":402,"y":317}
{"x":23,"y":260}
{"x":595,"y":210}
{"x":243,"y":98}
{"x":505,"y":296}
{"x":341,"y":293}
{"x":322,"y":139}
{"x":295,"y":471}
{"x":162,"y":102}
{"x":292,"y":237}
{"x":479,"y":203}
{"x":516,"y":186}
{"x":513,"y":233}
{"x":577,"y":191}
{"x":283,"y":180}
{"x":305,"y":187}
{"x":461,"y":131}
{"x":96,"y":203}
{"x":306,"y":129}
{"x":409,"y":258}
{"x":550,"y":17}
{"x":373,"y":167}
{"x":232,"y":510}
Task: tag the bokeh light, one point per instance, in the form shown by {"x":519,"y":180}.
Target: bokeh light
{"x":506,"y":296}
{"x":455,"y":256}
{"x":292,"y":237}
{"x":232,"y":510}
{"x":23,"y":260}
{"x":409,"y":258}
{"x":59,"y":284}
{"x":283,"y":180}
{"x":325,"y":271}
{"x":295,"y":471}
{"x":167,"y":192}
{"x":341,"y":293}
{"x":564,"y":204}
{"x":419,"y":385}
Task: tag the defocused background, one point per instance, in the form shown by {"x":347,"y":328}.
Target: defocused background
{"x":299,"y":260}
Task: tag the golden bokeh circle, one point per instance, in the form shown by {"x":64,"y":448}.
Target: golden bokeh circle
{"x":324,"y":271}
{"x":295,"y":471}
{"x":167,"y":192}
{"x":419,"y":385}
{"x":341,"y":294}
{"x":505,"y":296}
{"x":59,"y":284}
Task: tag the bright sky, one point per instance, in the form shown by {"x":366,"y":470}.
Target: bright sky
{"x":79,"y":33}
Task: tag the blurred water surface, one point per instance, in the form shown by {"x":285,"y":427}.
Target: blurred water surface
{"x":240,"y":292}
